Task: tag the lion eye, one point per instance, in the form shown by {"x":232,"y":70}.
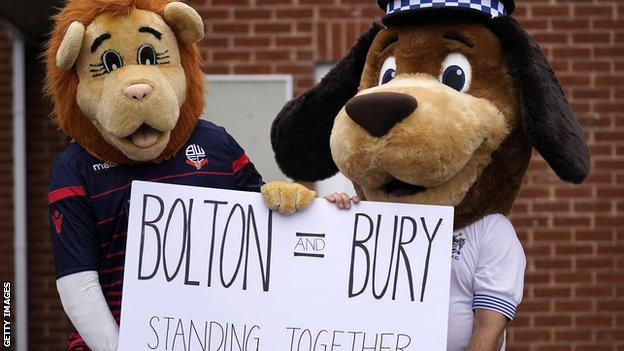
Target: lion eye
{"x":146,"y":55}
{"x":111,"y":60}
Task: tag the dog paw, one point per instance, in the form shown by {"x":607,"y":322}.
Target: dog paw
{"x":286,"y":198}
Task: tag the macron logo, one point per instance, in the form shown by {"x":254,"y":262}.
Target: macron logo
{"x":101,"y":166}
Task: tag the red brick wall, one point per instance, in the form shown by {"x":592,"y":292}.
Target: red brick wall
{"x":280,"y":36}
{"x":574,"y":297}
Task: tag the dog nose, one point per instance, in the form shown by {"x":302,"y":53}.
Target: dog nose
{"x":138,"y":92}
{"x":377,"y":113}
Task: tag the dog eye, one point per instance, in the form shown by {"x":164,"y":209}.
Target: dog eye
{"x":146,"y":55}
{"x":388,"y":70}
{"x":111,"y":60}
{"x":456,"y":72}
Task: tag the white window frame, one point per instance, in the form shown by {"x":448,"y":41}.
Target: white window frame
{"x":286,"y":78}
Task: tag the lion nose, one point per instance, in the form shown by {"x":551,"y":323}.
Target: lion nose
{"x":377,"y":113}
{"x":138,"y":92}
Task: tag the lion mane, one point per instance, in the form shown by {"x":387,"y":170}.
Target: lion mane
{"x":61,"y":86}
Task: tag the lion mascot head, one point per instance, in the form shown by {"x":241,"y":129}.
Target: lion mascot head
{"x":125,"y":77}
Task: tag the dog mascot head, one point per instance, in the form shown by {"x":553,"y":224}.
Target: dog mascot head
{"x":442,"y":106}
{"x":125,"y":76}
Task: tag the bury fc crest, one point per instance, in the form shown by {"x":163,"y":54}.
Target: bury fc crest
{"x":458,"y":244}
{"x":196,"y":156}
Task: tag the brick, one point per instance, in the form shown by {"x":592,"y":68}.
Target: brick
{"x":594,"y":11}
{"x":607,"y":23}
{"x":535,"y":335}
{"x":572,"y":221}
{"x":574,"y":250}
{"x":539,"y":347}
{"x":550,"y":11}
{"x":248,"y":14}
{"x":595,"y":235}
{"x":574,"y":305}
{"x":552,"y":292}
{"x":572,"y":277}
{"x":594,"y":291}
{"x":559,"y":320}
{"x":563,"y":23}
{"x":610,"y":306}
{"x":536,"y":278}
{"x":552,"y":235}
{"x":575,"y":335}
{"x":603,"y":320}
{"x":593,"y":66}
{"x":553,"y":263}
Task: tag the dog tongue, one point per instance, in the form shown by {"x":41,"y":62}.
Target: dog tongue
{"x":144,"y":137}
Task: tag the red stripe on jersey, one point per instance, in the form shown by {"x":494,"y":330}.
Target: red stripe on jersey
{"x":116,"y":282}
{"x":173,"y":176}
{"x":108,"y":192}
{"x":64,"y":193}
{"x":240,"y":163}
{"x":112,"y":269}
{"x":113,"y":238}
{"x":115,"y":254}
{"x":110,"y":219}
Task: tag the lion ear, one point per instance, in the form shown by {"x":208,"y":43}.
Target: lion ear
{"x":185,"y":22}
{"x":70,"y":46}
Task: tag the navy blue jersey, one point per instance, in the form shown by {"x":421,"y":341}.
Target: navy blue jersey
{"x":89,"y":201}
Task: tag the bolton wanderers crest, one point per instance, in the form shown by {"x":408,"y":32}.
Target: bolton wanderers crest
{"x":196,"y":156}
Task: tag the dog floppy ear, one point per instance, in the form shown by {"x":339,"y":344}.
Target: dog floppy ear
{"x":301,"y":131}
{"x":70,"y":46}
{"x":546,"y":116}
{"x":185,"y":22}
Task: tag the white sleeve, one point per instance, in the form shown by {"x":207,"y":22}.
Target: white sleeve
{"x":84,"y":303}
{"x":499,"y":279}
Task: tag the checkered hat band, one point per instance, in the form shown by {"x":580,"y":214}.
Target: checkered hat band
{"x":493,"y":8}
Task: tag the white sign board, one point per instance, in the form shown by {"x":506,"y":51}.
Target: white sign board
{"x":210,"y":269}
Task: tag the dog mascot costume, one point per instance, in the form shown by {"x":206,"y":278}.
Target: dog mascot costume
{"x":442,"y":105}
{"x":127,"y":86}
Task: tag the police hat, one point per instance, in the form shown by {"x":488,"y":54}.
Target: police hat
{"x":399,"y":10}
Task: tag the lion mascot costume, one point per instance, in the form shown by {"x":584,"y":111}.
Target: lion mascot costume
{"x":126,"y":82}
{"x":442,"y":105}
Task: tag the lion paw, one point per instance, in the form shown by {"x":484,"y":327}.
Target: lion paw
{"x":286,"y":198}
